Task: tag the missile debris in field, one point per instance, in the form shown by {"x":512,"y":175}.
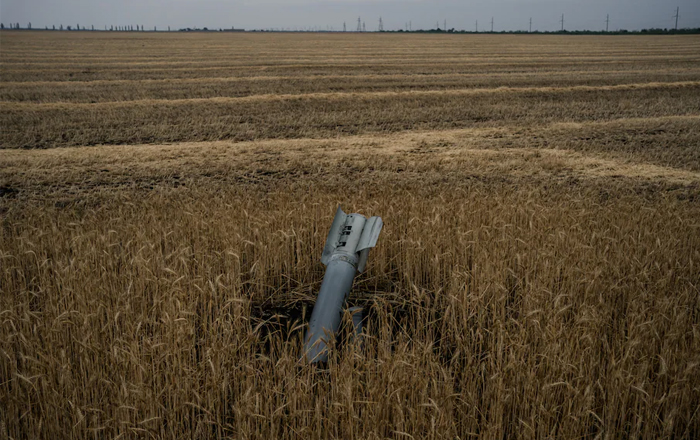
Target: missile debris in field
{"x":347,"y":247}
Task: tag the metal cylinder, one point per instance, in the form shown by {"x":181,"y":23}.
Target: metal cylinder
{"x":326,"y":316}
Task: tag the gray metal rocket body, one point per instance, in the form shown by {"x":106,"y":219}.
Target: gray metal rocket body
{"x":347,"y":247}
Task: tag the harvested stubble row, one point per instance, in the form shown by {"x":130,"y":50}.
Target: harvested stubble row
{"x":161,"y":89}
{"x":323,"y":115}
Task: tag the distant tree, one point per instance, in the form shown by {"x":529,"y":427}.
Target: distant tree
{"x":29,"y":26}
{"x":53,"y":27}
{"x":2,"y":26}
{"x":69,"y":28}
{"x":93,"y":27}
{"x":61,"y":28}
{"x":168,"y":28}
{"x":78,"y":27}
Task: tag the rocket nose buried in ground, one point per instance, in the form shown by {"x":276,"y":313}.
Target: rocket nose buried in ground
{"x":347,"y":247}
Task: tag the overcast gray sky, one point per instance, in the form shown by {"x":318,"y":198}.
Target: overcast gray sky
{"x":508,"y":14}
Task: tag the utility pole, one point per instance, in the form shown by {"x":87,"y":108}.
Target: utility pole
{"x":364,"y":29}
{"x":477,"y":26}
{"x":676,"y":16}
{"x":491,"y":24}
{"x":359,"y":24}
{"x":530,"y":24}
{"x":562,"y":22}
{"x":607,"y":22}
{"x":444,"y":25}
{"x":381,"y":25}
{"x":344,"y":29}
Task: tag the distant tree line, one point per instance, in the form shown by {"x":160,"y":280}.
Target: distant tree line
{"x":116,"y":28}
{"x":130,"y":28}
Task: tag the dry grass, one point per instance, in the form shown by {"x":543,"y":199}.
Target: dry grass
{"x":537,"y":276}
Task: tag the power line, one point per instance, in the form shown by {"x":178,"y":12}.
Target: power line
{"x":676,"y":16}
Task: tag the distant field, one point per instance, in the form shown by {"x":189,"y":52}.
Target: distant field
{"x":164,"y":201}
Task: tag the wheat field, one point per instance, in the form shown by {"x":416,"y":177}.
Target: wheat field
{"x":165,"y":198}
